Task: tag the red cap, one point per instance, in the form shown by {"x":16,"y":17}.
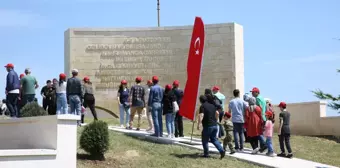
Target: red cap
{"x":215,"y":88}
{"x":175,"y":83}
{"x":123,"y":82}
{"x":138,"y":79}
{"x":22,"y":75}
{"x":9,"y":65}
{"x":269,"y":114}
{"x":149,"y":82}
{"x":255,"y":89}
{"x":168,"y":87}
{"x":227,"y":114}
{"x":155,"y":78}
{"x":86,"y":78}
{"x":282,"y":104}
{"x":62,"y":76}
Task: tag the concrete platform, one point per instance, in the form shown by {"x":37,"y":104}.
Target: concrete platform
{"x":259,"y":159}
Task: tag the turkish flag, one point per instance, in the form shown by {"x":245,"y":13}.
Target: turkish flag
{"x":194,"y":68}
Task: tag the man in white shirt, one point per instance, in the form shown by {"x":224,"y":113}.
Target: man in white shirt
{"x":147,"y":109}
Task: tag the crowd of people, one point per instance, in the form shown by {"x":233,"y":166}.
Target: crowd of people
{"x":63,"y":96}
{"x":250,"y":119}
{"x":155,"y":101}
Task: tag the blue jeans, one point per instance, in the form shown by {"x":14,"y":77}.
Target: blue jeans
{"x":269,"y":144}
{"x":156,"y":113}
{"x":262,"y":142}
{"x":75,"y":104}
{"x":124,"y":111}
{"x":62,"y":103}
{"x":210,"y":133}
{"x":170,"y":123}
{"x":238,"y":135}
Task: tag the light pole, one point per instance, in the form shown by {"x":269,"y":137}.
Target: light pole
{"x":158,"y":19}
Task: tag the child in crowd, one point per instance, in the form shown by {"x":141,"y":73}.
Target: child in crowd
{"x":228,"y":127}
{"x":3,"y":108}
{"x":284,"y":131}
{"x":268,"y":133}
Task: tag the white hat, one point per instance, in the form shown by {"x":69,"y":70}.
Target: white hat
{"x":74,"y":70}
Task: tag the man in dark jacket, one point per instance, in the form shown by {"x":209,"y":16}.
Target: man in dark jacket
{"x":75,"y":93}
{"x":12,"y":90}
{"x":178,"y":119}
{"x":51,"y":99}
{"x":218,"y":104}
{"x":44,"y":92}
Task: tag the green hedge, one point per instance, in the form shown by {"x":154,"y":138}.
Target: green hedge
{"x":32,"y":109}
{"x":95,"y":139}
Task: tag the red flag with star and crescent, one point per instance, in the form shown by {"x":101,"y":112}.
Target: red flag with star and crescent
{"x":194,"y":68}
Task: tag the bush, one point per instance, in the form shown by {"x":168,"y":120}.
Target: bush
{"x":32,"y":109}
{"x":95,"y":139}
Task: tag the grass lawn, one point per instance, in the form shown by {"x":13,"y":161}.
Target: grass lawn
{"x":129,"y":152}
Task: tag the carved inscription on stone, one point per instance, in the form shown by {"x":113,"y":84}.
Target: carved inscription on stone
{"x":133,"y":57}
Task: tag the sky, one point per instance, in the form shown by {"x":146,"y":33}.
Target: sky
{"x":290,"y":46}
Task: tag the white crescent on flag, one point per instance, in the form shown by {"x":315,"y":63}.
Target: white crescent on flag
{"x":198,"y":40}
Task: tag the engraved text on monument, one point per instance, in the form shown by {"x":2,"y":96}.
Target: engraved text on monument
{"x":133,"y":57}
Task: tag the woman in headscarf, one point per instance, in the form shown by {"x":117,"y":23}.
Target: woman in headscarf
{"x":89,"y":100}
{"x":246,"y":98}
{"x":254,"y":123}
{"x":269,"y":108}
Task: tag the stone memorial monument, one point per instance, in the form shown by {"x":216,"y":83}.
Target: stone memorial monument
{"x":109,"y":55}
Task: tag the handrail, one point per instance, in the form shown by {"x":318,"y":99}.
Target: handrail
{"x":107,"y":110}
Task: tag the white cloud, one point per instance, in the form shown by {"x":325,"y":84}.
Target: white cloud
{"x":311,"y":59}
{"x":21,"y":19}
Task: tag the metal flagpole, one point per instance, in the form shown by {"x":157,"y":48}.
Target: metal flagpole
{"x":192,"y":130}
{"x":158,"y":18}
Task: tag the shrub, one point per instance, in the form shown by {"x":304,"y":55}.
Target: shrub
{"x":95,"y":139}
{"x":32,"y":109}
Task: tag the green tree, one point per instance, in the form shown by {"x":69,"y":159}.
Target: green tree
{"x":335,"y":100}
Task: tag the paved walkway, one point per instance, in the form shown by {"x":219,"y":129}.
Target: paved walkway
{"x":259,"y":159}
